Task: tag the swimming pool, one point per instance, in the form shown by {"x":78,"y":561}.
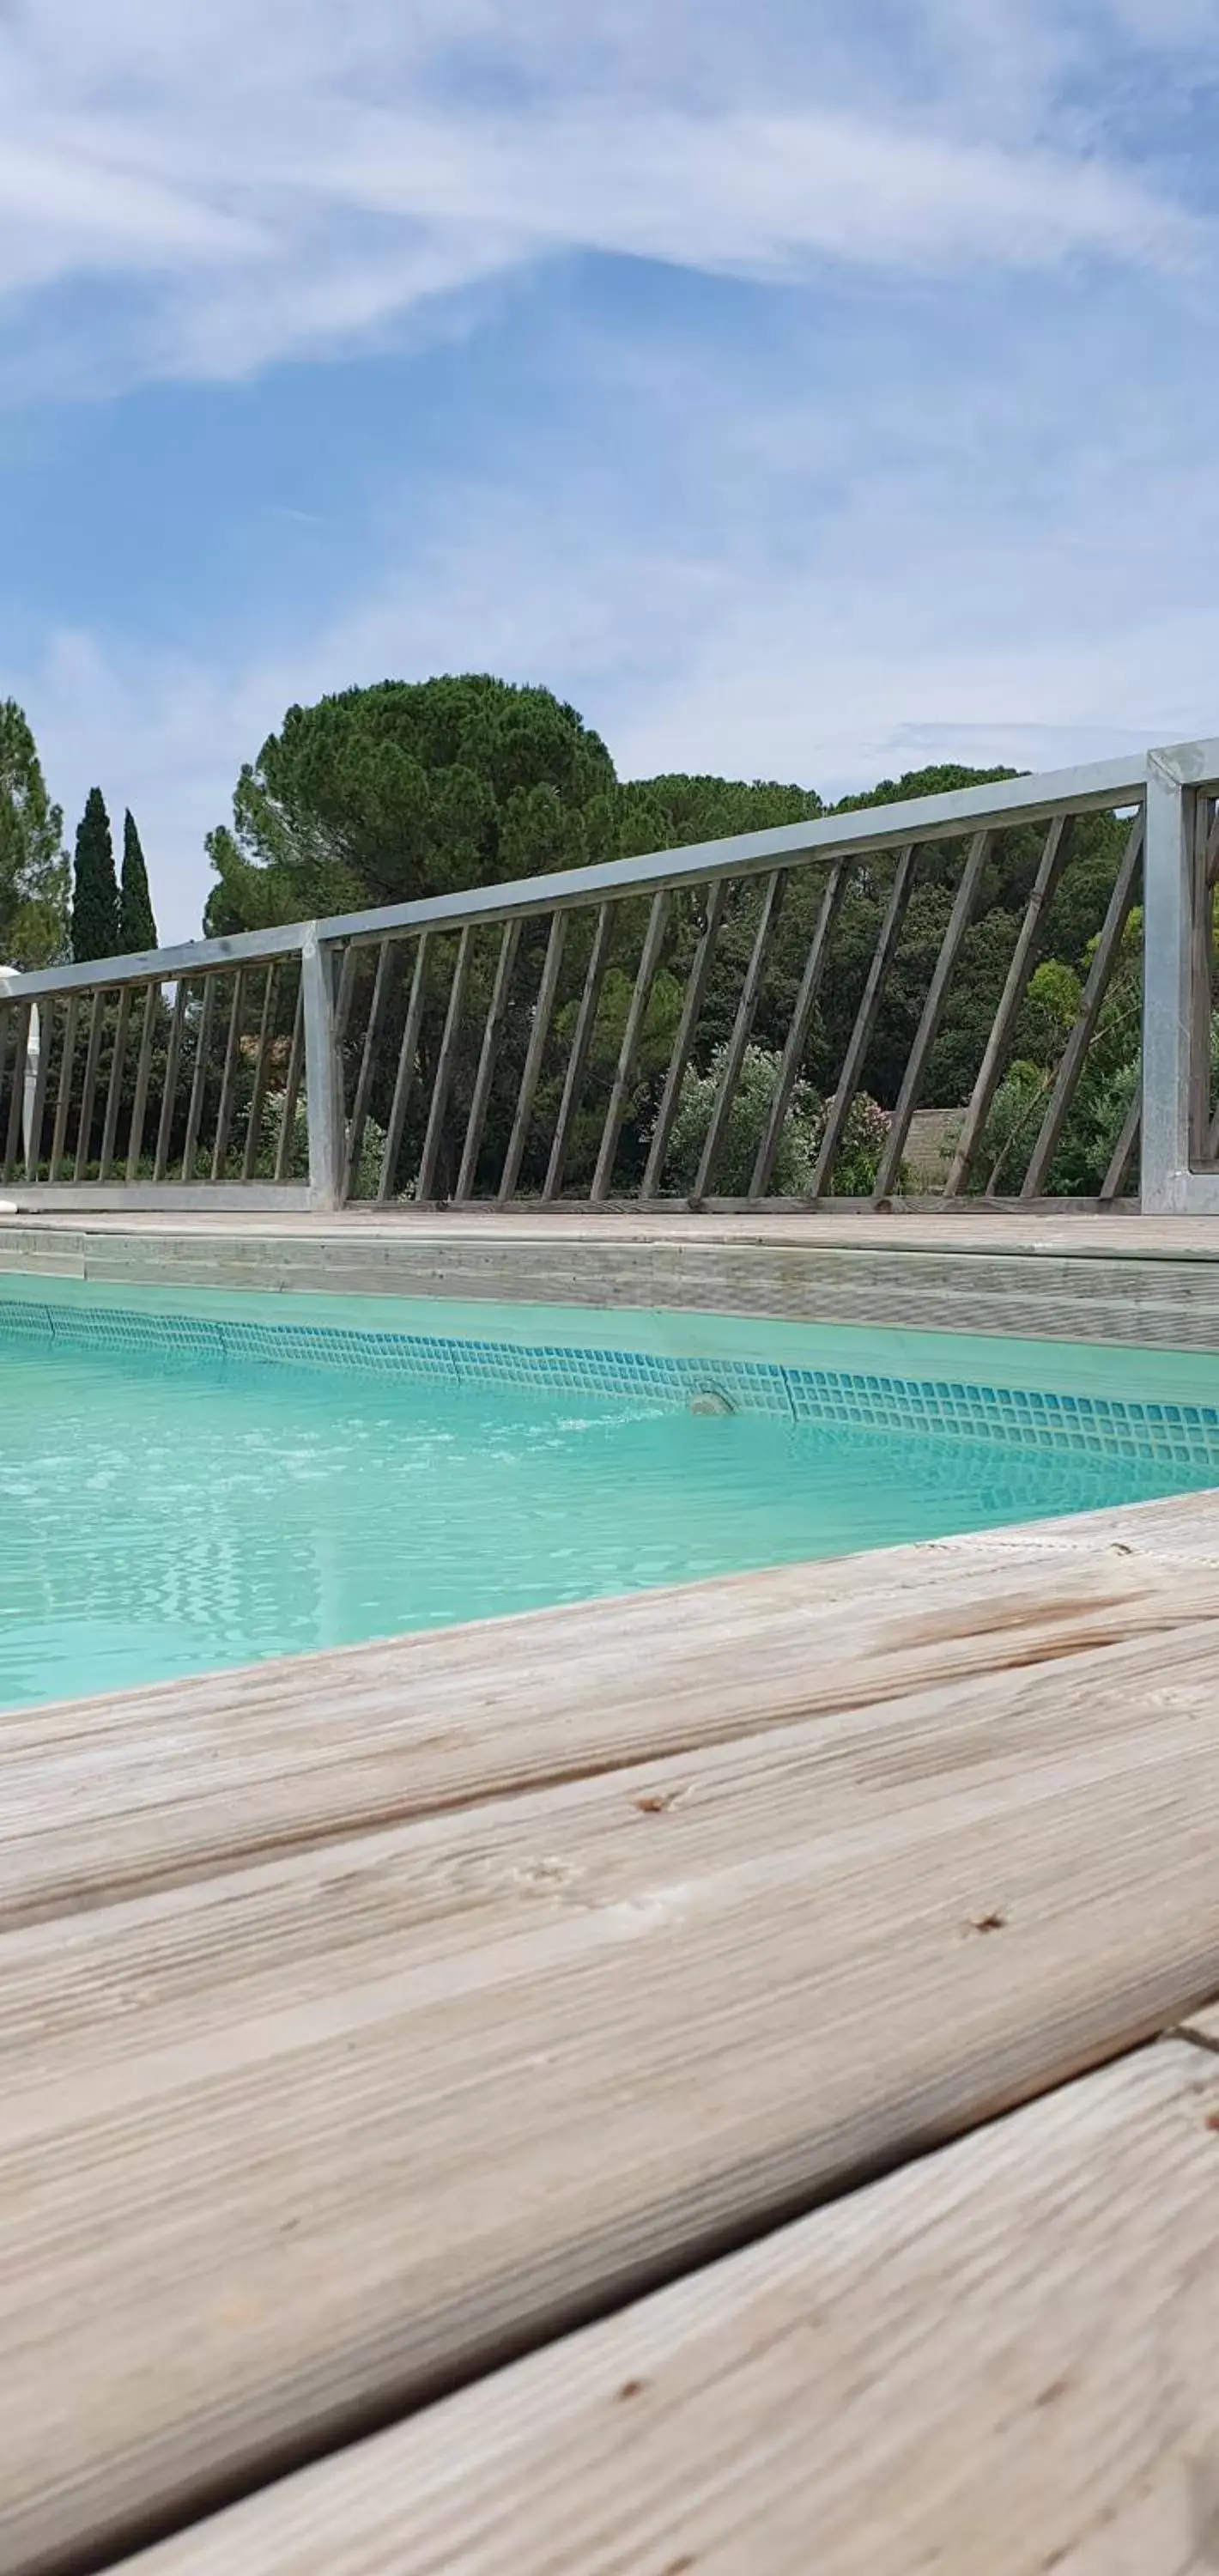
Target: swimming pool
{"x":196,"y":1480}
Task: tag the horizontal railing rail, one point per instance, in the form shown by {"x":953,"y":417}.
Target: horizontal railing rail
{"x":843,"y":1008}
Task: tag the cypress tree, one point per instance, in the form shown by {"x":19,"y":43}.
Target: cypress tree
{"x":95,"y":894}
{"x":137,"y":928}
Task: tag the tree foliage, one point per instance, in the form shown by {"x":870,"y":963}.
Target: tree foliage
{"x":385,"y":794}
{"x":95,"y":893}
{"x":406,"y":790}
{"x":137,"y":925}
{"x":33,"y":862}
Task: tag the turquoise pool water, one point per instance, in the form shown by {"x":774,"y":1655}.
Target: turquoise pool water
{"x":166,"y":1508}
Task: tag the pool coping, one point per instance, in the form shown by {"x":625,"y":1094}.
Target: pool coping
{"x":1141,"y":1282}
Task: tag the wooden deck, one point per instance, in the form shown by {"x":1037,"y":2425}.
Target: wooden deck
{"x":723,"y":2082}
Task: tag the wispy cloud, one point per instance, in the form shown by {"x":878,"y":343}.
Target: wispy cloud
{"x":856,"y":460}
{"x":284,"y":179}
{"x":919,"y":612}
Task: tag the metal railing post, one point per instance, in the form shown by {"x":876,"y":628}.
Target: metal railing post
{"x":1168,"y":963}
{"x":33,"y":1058}
{"x":323,"y":1088}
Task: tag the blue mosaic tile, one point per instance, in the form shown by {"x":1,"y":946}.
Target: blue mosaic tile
{"x":1160,"y":1433}
{"x":22,"y":1322}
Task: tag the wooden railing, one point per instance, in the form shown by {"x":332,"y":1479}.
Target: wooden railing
{"x":697,"y":1026}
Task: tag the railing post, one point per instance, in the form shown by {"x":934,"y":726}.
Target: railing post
{"x":1168,"y":977}
{"x":323,"y":1088}
{"x":33,"y":1055}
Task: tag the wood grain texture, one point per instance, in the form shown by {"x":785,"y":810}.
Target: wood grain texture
{"x":1082,"y":1276}
{"x":104,"y":1797}
{"x":1005,"y":2359}
{"x":287,"y":2150}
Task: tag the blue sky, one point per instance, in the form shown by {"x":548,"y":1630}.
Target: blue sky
{"x":806,"y":390}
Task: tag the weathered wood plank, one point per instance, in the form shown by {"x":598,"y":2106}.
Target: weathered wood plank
{"x":1079,"y":1276}
{"x":539,"y":2057}
{"x":104,"y":1797}
{"x":1005,"y":2357}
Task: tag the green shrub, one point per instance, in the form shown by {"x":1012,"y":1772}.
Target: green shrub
{"x":744,"y":1132}
{"x":856,"y":1164}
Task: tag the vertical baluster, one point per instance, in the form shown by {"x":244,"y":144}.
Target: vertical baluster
{"x":261,"y":1069}
{"x":404,"y":1079}
{"x":1053,"y":860}
{"x":342,"y":1000}
{"x":1114,"y":1181}
{"x":194,"y":1113}
{"x":63,"y":1095}
{"x":143,"y":1068}
{"x":624,"y":1076}
{"x":444,"y":1070}
{"x":292,"y":1085}
{"x":368,"y":1062}
{"x":115,"y":1085}
{"x":89,"y":1092}
{"x":691,"y":1009}
{"x":169,"y":1100}
{"x":916,"y":1065}
{"x":510,"y":940}
{"x":538,"y":1035}
{"x":865,"y":1021}
{"x":228,"y":1083}
{"x":1203,"y":986}
{"x":1210,"y":882}
{"x":772,"y":897}
{"x":577,"y":1062}
{"x":797,"y":1035}
{"x":1097,"y":985}
{"x":38,"y":1105}
{"x":7,"y":1022}
{"x":18,"y":1015}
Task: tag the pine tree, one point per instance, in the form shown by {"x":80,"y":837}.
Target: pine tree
{"x":95,"y":896}
{"x":137,"y":928}
{"x":33,"y":861}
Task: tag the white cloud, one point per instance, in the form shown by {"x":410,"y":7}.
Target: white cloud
{"x":950,"y":533}
{"x":291,"y":177}
{"x":928,"y":616}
